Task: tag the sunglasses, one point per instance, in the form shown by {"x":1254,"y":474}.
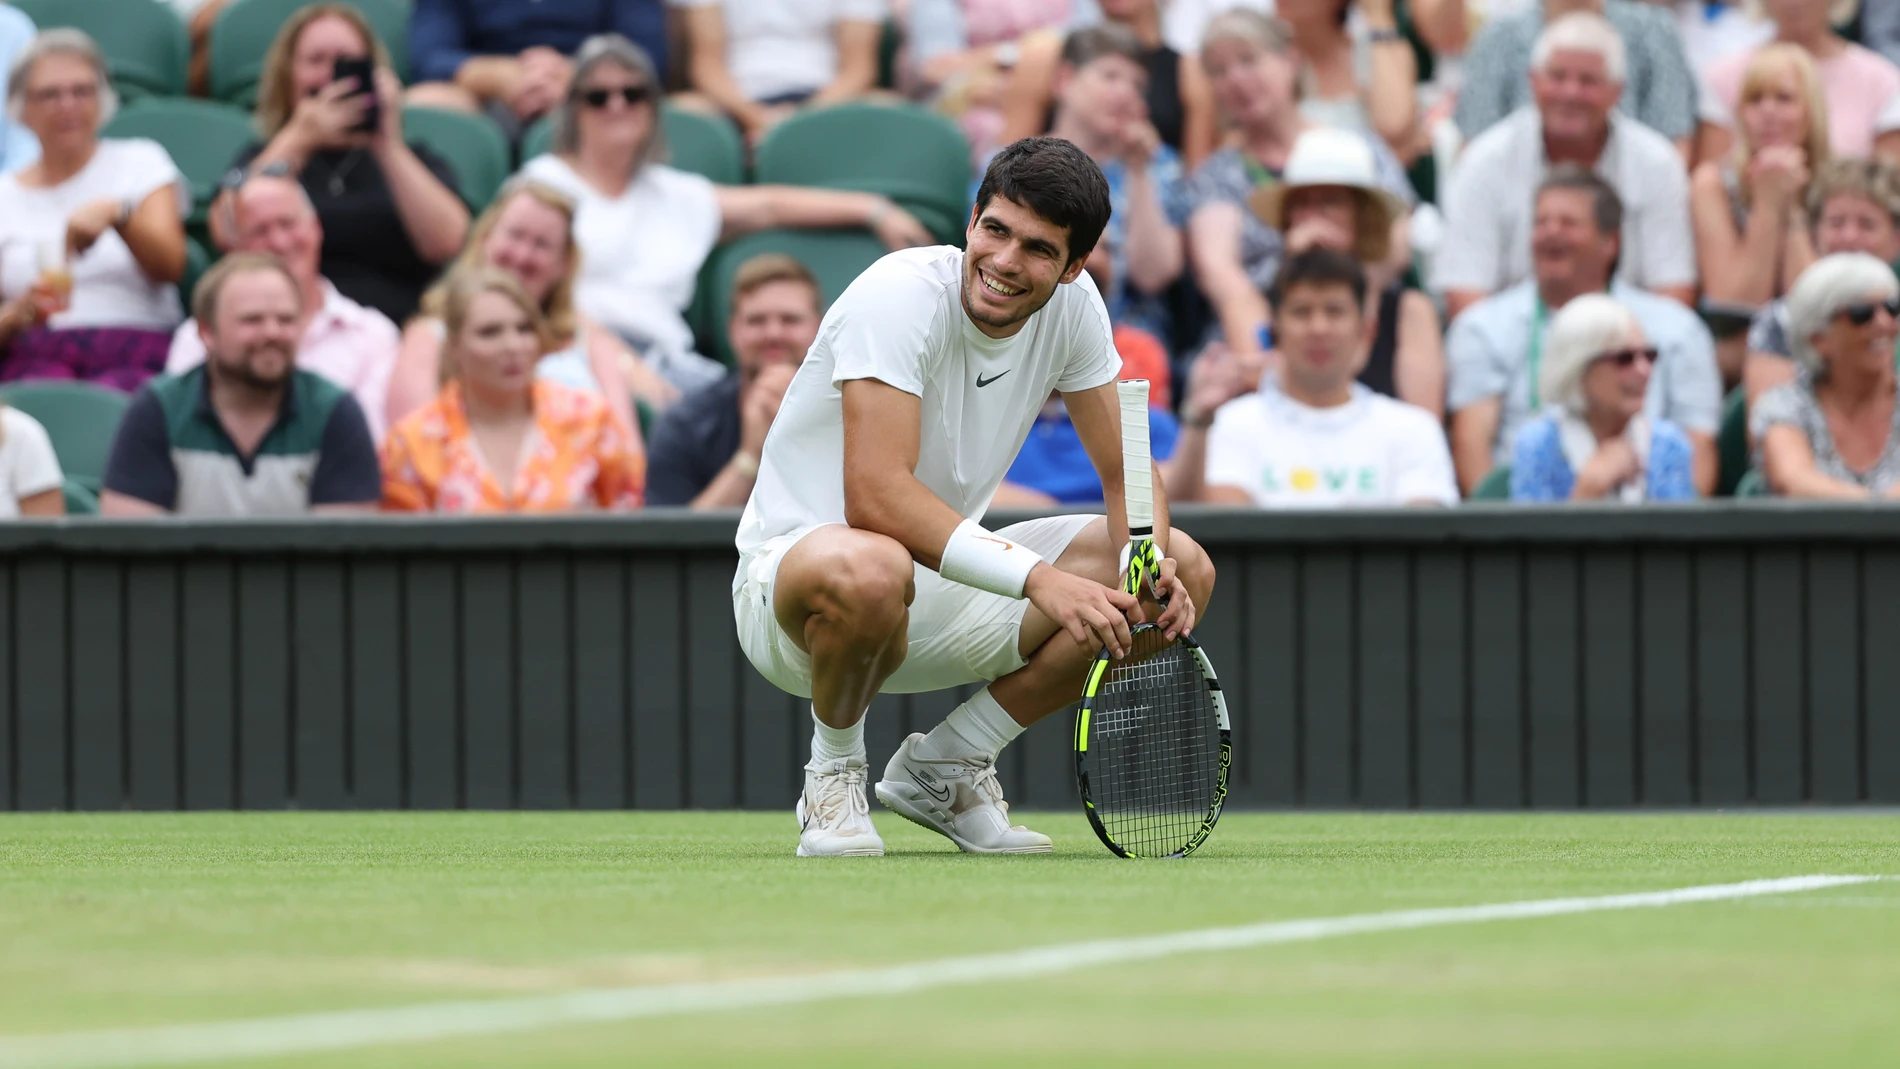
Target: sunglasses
{"x":1629,"y":357}
{"x":628,"y":94}
{"x":1861,"y":313}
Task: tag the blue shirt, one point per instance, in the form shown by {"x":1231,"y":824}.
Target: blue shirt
{"x":1125,"y":304}
{"x":1488,"y":354}
{"x":1053,"y":461}
{"x":1541,"y":472}
{"x":443,"y":34}
{"x":18,"y":146}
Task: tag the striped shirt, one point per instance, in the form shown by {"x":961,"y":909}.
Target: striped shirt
{"x":1659,"y":91}
{"x":1489,"y":205}
{"x":172,"y":451}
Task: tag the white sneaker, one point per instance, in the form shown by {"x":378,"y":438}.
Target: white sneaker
{"x":957,"y":798}
{"x":833,"y":812}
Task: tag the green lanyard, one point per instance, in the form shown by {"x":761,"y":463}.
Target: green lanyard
{"x":1257,"y":172}
{"x":1536,"y":359}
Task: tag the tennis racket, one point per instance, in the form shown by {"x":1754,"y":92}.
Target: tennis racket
{"x":1152,"y":739}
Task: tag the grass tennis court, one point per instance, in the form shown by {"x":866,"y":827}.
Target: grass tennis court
{"x":133,"y":920}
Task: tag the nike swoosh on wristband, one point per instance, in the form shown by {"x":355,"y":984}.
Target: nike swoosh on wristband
{"x":982,"y":382}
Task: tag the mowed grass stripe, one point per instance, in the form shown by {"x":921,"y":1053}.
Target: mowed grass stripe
{"x":317,"y":1032}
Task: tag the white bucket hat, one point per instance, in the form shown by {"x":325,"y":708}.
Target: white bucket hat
{"x":1341,"y":159}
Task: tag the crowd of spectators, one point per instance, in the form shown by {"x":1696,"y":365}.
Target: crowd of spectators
{"x":1370,"y":252}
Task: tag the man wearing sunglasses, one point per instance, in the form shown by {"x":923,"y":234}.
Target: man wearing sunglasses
{"x":512,"y":58}
{"x":1496,"y":349}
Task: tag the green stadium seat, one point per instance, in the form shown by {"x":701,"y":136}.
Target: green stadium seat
{"x":79,"y":417}
{"x":698,"y":143}
{"x":705,"y":145}
{"x":243,"y":33}
{"x":1495,"y":486}
{"x":145,"y":44}
{"x":472,"y":145}
{"x":914,"y":156}
{"x":836,"y":257}
{"x":79,"y":500}
{"x":202,"y":136}
{"x":1753,"y":484}
{"x":1731,"y":444}
{"x":198,"y":260}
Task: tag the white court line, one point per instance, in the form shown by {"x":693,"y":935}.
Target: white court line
{"x":191,"y":1044}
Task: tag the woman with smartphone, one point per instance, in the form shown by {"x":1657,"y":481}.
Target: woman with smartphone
{"x":329,"y":112}
{"x":91,"y":242}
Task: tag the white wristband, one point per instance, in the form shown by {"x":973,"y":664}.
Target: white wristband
{"x":975,"y":557}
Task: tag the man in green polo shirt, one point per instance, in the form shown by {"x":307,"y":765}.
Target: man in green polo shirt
{"x":245,"y":433}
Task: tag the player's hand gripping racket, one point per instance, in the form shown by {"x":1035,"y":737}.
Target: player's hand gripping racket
{"x":1152,"y":741}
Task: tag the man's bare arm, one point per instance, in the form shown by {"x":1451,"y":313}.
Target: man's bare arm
{"x":882,"y":493}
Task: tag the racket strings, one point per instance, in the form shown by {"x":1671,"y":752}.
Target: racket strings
{"x":1154,"y":745}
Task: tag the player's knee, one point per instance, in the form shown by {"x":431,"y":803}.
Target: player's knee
{"x":1193,"y":566}
{"x":871,"y":585}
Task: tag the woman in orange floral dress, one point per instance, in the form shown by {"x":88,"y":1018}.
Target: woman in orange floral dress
{"x":496,"y":439}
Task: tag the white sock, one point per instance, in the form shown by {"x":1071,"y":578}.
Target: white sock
{"x":829,"y":743}
{"x":977,"y":728}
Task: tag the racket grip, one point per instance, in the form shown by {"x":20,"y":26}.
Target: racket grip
{"x":1137,"y":468}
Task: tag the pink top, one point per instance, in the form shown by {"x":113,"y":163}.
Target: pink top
{"x":352,"y":346}
{"x":1863,"y":96}
{"x":988,"y":22}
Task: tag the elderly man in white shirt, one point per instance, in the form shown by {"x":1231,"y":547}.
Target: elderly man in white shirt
{"x":1577,"y":72}
{"x":1311,"y":436}
{"x":345,"y":342}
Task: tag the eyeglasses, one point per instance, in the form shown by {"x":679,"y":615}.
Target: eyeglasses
{"x":628,"y":94}
{"x":1629,"y":357}
{"x":1861,"y":313}
{"x":50,"y":94}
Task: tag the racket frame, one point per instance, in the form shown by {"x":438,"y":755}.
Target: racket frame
{"x":1098,"y":672}
{"x":1140,"y":568}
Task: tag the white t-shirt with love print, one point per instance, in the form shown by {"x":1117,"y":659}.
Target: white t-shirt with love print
{"x":1370,"y":452}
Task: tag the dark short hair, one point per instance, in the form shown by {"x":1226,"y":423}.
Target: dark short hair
{"x":1058,"y":182}
{"x":766,"y":268}
{"x":1606,"y":208}
{"x":1321,"y":267}
{"x":1085,"y":46}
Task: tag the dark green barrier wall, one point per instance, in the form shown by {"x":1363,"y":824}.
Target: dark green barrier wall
{"x":1490,"y":658}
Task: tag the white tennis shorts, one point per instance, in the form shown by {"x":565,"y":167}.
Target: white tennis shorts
{"x":958,"y":634}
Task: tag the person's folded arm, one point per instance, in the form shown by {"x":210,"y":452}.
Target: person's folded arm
{"x":707,"y":69}
{"x":882,"y":494}
{"x":1214,"y":245}
{"x":1156,"y":251}
{"x":1418,"y":368}
{"x":438,"y":41}
{"x":1788,"y":465}
{"x":1474,"y":430}
{"x":857,"y":42}
{"x":139,"y":478}
{"x":349,"y":475}
{"x":155,"y":234}
{"x":748,"y":209}
{"x":1391,"y":93}
{"x":432,"y":213}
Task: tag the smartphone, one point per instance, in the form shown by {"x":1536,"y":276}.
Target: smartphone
{"x":363,"y":73}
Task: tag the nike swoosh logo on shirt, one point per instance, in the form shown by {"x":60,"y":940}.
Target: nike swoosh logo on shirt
{"x":982,"y":382}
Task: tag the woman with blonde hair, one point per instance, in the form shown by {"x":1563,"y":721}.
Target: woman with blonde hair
{"x":1593,"y":442}
{"x":528,"y":232}
{"x":389,"y":210}
{"x":1862,"y":86}
{"x":498,"y":439}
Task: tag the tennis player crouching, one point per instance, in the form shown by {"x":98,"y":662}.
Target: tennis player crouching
{"x":862,"y":567}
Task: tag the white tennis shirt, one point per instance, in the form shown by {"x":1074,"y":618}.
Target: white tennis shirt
{"x":902,"y":322}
